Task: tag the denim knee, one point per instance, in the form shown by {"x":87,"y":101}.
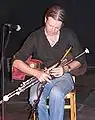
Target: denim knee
{"x":56,"y":94}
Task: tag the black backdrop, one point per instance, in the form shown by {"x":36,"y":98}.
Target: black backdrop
{"x":29,"y":15}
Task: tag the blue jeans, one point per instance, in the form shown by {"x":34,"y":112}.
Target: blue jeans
{"x":56,"y":91}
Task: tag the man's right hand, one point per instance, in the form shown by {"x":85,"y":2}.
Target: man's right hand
{"x":43,"y":76}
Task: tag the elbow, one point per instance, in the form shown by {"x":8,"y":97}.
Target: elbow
{"x":16,"y":63}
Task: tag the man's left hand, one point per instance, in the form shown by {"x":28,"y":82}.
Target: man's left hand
{"x":57,"y":72}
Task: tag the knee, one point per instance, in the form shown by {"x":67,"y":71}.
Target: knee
{"x":56,"y":93}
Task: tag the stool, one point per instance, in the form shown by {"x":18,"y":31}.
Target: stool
{"x":71,"y":96}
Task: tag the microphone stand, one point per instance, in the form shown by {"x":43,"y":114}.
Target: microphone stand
{"x":3,"y":47}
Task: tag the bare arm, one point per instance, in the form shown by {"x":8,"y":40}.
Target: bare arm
{"x":40,"y":75}
{"x":74,"y":65}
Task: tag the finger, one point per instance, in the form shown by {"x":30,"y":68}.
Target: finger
{"x":41,"y":79}
{"x":45,"y":77}
{"x":48,"y":80}
{"x":49,"y":77}
{"x":47,"y":72}
{"x":45,"y":69}
{"x":55,"y":71}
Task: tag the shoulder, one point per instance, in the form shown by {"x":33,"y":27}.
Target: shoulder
{"x":34,"y":35}
{"x":67,"y":31}
{"x":69,"y":35}
{"x":38,"y":31}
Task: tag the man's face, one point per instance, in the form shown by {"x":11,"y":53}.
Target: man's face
{"x":52,"y":26}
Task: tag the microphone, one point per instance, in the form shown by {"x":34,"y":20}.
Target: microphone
{"x":13,"y":27}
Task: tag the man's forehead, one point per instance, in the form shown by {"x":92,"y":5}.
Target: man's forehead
{"x":53,"y":22}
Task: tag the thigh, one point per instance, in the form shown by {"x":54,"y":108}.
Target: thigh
{"x":65,"y":84}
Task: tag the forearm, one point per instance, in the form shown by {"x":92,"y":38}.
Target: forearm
{"x":24,"y":67}
{"x":72,"y":66}
{"x":40,"y":75}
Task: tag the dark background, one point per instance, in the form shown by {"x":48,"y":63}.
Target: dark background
{"x":28,"y":14}
{"x":80,"y":17}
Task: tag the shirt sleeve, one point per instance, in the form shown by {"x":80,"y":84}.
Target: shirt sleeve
{"x":27,"y":49}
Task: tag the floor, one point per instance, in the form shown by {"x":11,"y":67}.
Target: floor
{"x":17,"y":106}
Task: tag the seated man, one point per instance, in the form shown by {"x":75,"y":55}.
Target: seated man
{"x":49,"y":44}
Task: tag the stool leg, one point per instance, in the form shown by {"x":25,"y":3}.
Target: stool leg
{"x":73,"y":106}
{"x":75,"y":110}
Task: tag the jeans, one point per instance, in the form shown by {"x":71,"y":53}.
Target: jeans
{"x":56,"y":91}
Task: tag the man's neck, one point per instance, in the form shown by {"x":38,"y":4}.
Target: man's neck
{"x":52,"y":39}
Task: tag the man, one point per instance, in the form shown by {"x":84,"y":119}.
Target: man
{"x":49,"y":44}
